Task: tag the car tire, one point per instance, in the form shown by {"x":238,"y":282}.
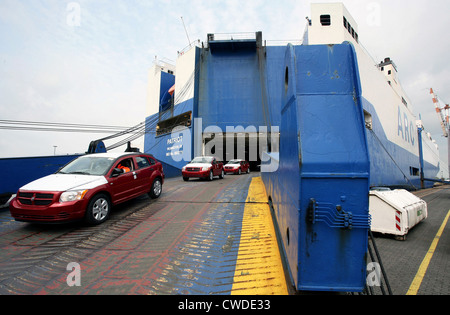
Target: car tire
{"x":98,"y":209}
{"x":248,"y":170}
{"x":156,"y":189}
{"x":222,"y":175}
{"x":185,"y":179}
{"x":211,"y":175}
{"x":239,"y":171}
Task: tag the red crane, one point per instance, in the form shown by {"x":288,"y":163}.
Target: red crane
{"x":444,"y":119}
{"x":443,"y":113}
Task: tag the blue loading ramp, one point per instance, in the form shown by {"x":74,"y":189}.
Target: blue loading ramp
{"x":320,"y":189}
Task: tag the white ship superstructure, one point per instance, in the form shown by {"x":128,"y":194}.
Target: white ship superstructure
{"x":391,"y":122}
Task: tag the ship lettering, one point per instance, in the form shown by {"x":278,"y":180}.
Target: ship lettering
{"x":405,"y":128}
{"x":174,"y":140}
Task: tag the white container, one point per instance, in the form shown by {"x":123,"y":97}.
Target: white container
{"x":396,"y":211}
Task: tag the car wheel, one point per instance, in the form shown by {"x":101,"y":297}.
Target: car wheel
{"x":98,"y":209}
{"x":185,"y":179}
{"x":248,"y":170}
{"x":156,"y":190}
{"x":239,"y":172}
{"x":222,"y":175}
{"x":211,"y":175}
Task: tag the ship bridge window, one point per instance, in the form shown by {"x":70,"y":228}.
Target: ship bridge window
{"x":325,"y":20}
{"x":351,"y":30}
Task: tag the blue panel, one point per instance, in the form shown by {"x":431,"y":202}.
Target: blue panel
{"x":167,"y":81}
{"x":21,"y":171}
{"x":274,"y":80}
{"x":230,"y":90}
{"x":320,"y":190}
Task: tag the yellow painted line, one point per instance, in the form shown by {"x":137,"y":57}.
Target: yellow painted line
{"x":259,"y":269}
{"x":415,"y":285}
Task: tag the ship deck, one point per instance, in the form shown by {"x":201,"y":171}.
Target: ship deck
{"x":199,"y":237}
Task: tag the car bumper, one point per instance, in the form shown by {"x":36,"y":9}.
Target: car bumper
{"x":197,"y":174}
{"x":232,"y":171}
{"x":54,"y":213}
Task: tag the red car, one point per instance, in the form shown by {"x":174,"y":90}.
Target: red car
{"x":237,"y":167}
{"x":88,"y":187}
{"x":203,"y":167}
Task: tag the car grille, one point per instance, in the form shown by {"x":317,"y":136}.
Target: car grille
{"x":193,"y":169}
{"x":229,"y":167}
{"x":32,"y":217}
{"x":37,"y":199}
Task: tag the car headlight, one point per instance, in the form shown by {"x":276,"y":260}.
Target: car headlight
{"x":184,"y":168}
{"x":205,"y":168}
{"x":72,"y":195}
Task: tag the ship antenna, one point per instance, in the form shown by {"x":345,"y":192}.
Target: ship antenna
{"x":187,"y":35}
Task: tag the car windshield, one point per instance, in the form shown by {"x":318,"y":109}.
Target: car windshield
{"x":88,"y":165}
{"x":202,"y":159}
{"x":234,"y":162}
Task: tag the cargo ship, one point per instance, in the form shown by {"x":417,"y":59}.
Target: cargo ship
{"x":222,"y":97}
{"x":321,"y":120}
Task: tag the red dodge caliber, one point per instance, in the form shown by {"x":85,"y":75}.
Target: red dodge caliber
{"x":88,"y":187}
{"x":237,"y":167}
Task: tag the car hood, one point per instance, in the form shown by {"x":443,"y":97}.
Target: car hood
{"x":233,"y":165}
{"x":198,"y":165}
{"x":64,"y":182}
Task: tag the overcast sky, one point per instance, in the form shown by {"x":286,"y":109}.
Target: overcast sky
{"x":87,"y":61}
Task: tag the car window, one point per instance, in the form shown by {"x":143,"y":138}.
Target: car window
{"x":126,"y":164}
{"x":142,"y":162}
{"x":151,"y":161}
{"x":88,"y":165}
{"x":202,"y":159}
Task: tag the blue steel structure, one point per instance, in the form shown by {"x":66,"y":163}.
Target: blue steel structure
{"x":320,"y":190}
{"x":20,"y":171}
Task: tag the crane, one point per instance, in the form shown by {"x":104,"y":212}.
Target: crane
{"x":443,"y":119}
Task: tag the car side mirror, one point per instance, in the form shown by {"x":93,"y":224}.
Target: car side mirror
{"x":116,"y":172}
